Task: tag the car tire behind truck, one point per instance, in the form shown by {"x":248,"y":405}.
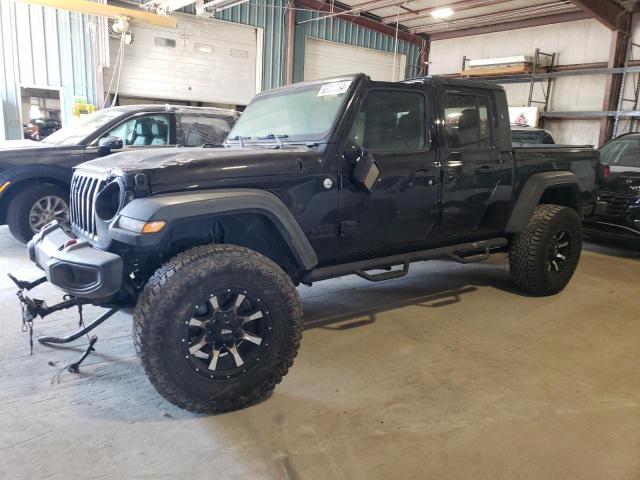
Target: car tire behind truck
{"x":217,"y":328}
{"x":543,"y":258}
{"x":34,"y":206}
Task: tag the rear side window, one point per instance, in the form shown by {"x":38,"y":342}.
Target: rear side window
{"x":196,"y":129}
{"x":468,"y":120}
{"x":391,"y":120}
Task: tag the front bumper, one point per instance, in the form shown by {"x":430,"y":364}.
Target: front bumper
{"x":78,"y":268}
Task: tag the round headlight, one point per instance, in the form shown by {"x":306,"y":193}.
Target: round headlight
{"x":108,"y":201}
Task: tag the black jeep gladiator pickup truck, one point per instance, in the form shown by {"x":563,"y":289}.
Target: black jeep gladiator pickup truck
{"x":320,"y":179}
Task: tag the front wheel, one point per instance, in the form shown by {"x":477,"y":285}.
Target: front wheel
{"x":35,"y":206}
{"x":217,"y":327}
{"x":543,"y":258}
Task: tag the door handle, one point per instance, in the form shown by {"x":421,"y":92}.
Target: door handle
{"x":487,"y":170}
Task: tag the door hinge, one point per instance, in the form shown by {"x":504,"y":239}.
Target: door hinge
{"x":347,"y":228}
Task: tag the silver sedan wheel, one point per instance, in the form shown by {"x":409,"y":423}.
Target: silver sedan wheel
{"x":46,"y":209}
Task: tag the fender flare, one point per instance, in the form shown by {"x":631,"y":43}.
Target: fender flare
{"x":172,"y":207}
{"x":531,"y":193}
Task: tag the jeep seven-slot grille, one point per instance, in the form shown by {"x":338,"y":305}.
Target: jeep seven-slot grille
{"x":617,"y":204}
{"x":84,"y":189}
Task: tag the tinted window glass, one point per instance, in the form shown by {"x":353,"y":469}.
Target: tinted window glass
{"x":624,"y":152}
{"x":145,"y":130}
{"x":468,"y":120}
{"x":195,"y":130}
{"x":391,"y":120}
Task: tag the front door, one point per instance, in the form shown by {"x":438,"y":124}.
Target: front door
{"x":471,"y":163}
{"x":391,"y":126}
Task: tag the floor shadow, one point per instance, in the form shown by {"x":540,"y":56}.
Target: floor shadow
{"x":611,"y":248}
{"x":429,"y":288}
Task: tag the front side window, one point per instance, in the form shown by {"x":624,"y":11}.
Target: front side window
{"x":468,"y":120}
{"x":391,"y":120}
{"x":304,"y":113}
{"x":143,"y":130}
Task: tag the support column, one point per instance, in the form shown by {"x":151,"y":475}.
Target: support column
{"x":618,"y":53}
{"x":291,"y":30}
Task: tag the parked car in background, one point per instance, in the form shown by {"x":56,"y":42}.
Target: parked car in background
{"x":39,"y":128}
{"x":35,"y":176}
{"x":537,"y":136}
{"x":621,"y":192}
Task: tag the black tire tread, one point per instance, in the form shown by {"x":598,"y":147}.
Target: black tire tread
{"x":162,"y":280}
{"x":526,"y":246}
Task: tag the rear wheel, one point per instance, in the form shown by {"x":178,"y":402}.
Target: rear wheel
{"x":35,"y":206}
{"x":543,"y":258}
{"x":217,"y":327}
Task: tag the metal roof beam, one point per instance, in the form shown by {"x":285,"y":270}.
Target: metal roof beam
{"x":361,"y":20}
{"x":456,"y":6}
{"x":607,"y":12}
{"x":514,"y":25}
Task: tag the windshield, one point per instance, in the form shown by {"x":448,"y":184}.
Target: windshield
{"x":305,"y":113}
{"x":82,"y":128}
{"x":624,"y":152}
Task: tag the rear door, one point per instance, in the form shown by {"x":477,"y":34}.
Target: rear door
{"x":392,"y":126}
{"x":471,"y":163}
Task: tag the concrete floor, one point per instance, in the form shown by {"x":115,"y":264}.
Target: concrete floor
{"x":447,"y":373}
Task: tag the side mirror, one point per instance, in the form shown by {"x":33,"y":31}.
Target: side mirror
{"x":107,"y":144}
{"x":366,"y":172}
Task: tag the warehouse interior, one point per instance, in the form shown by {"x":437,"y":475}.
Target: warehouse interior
{"x":443,"y":368}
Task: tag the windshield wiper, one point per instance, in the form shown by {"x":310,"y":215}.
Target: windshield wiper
{"x":275,"y":137}
{"x":240,"y":139}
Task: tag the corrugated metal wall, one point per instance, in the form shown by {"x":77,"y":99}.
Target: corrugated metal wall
{"x":43,"y":47}
{"x":341,"y":31}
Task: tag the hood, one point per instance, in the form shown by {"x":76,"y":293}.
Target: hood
{"x":22,"y":144}
{"x":170,"y":169}
{"x":15,"y":153}
{"x":624,"y":180}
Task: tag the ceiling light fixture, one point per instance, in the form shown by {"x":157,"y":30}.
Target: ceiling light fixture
{"x":445,"y":12}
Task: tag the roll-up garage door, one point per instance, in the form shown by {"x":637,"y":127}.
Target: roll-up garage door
{"x":328,"y":59}
{"x":200,"y":61}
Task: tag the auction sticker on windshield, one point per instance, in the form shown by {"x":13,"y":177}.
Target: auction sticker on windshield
{"x":335,"y":88}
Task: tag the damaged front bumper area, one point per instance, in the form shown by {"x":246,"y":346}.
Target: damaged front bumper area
{"x":75,"y":266}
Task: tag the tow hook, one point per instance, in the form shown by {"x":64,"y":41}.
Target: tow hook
{"x":34,"y":307}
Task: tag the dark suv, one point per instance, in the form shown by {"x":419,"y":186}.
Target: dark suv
{"x":321,"y":179}
{"x":35,"y":176}
{"x":621,"y":192}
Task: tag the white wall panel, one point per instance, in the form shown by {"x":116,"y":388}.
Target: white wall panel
{"x":324,"y":59}
{"x":584,"y":41}
{"x":211,"y":62}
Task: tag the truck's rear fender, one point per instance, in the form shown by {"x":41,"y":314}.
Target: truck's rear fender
{"x":555,"y":187}
{"x":255,"y":219}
